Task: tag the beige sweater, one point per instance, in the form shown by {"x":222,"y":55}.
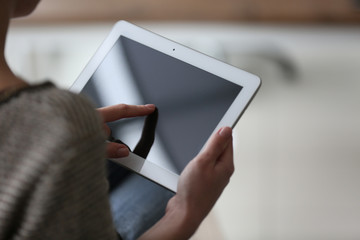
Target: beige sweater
{"x":52,"y":168}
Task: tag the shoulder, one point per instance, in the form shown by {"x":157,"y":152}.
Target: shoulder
{"x":44,"y":125}
{"x":52,"y":145}
{"x":46,"y":110}
{"x":55,"y":102}
{"x":45,"y":97}
{"x":65,"y":107}
{"x":70,"y":112}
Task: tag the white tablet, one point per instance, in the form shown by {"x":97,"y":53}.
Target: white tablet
{"x":194,"y":93}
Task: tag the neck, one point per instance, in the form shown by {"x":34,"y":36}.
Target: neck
{"x":7,"y":77}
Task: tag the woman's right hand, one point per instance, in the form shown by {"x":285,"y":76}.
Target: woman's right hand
{"x":117,"y":112}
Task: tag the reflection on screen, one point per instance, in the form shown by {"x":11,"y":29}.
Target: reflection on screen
{"x":191,"y":101}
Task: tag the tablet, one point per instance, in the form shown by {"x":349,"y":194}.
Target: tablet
{"x":194,"y":93}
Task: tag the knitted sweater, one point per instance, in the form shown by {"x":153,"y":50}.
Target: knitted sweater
{"x":52,"y":168}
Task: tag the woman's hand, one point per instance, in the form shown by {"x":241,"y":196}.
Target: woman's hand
{"x":203,"y":180}
{"x":200,"y":185}
{"x":116,"y":112}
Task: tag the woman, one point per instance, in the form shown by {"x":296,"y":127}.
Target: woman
{"x":52,"y":162}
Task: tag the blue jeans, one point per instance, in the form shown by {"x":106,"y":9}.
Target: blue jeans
{"x":136,"y":205}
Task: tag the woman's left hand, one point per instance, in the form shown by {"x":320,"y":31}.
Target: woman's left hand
{"x":116,"y":112}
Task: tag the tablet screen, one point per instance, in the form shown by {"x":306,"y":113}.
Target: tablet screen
{"x":191,"y":101}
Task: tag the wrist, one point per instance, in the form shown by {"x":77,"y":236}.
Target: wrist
{"x":183,"y":216}
{"x":178,"y":223}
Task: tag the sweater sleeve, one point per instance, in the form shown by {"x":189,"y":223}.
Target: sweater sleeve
{"x":55,"y":184}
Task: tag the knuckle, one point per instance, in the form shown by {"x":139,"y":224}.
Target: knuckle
{"x":226,"y":182}
{"x":123,"y":108}
{"x":229,"y":170}
{"x":204,"y":155}
{"x":200,"y":161}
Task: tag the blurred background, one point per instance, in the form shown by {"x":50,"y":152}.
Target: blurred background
{"x":297,"y":147}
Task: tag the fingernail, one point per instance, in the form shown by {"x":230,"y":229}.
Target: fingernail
{"x":150,"y":106}
{"x":225,"y":132}
{"x":123,"y":151}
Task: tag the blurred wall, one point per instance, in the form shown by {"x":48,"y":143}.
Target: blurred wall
{"x":295,"y":11}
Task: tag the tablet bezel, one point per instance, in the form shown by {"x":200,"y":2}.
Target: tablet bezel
{"x":249,"y":83}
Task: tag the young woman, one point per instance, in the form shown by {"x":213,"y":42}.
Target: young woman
{"x":52,"y":162}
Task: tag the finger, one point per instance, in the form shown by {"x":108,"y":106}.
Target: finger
{"x":119,"y":111}
{"x":218,"y":142}
{"x":107,"y":130}
{"x":226,"y":160}
{"x":116,"y":150}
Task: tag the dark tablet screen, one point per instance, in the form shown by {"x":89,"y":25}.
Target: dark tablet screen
{"x":191,"y":101}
